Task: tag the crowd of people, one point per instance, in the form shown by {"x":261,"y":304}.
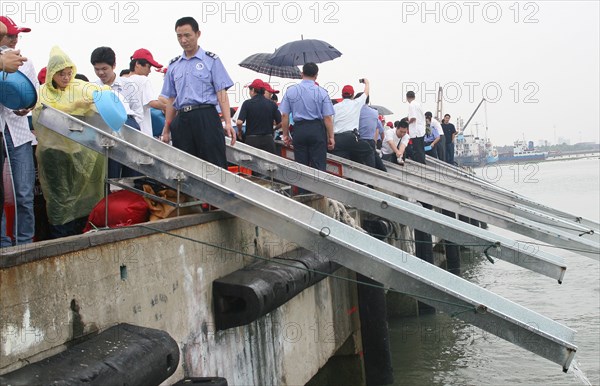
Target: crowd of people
{"x":196,"y":117}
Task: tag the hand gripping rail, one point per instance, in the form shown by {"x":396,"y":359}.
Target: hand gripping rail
{"x":317,"y":232}
{"x":395,"y":209}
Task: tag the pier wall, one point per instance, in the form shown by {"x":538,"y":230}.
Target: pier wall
{"x":54,"y":292}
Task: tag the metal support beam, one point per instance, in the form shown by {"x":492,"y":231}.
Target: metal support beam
{"x":456,"y":174}
{"x":315,"y":231}
{"x":470,"y":193}
{"x":477,"y":204}
{"x":395,"y":209}
{"x":476,"y":208}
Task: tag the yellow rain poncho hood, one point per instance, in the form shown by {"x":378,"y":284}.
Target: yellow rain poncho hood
{"x":71,"y":176}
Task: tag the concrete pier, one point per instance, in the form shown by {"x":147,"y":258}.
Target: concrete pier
{"x":57,"y":291}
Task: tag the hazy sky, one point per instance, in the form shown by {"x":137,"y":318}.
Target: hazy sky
{"x":536,"y":62}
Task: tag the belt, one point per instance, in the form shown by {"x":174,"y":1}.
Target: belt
{"x":348,"y":133}
{"x":259,"y":135}
{"x":187,"y":109}
{"x":307,"y":121}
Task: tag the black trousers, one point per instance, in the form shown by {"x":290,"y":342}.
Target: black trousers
{"x":200,"y":133}
{"x":378,"y":161}
{"x":349,"y":147}
{"x":310,"y":143}
{"x":433,"y":152}
{"x":416,"y":150}
{"x":441,"y":148}
{"x":263,"y":142}
{"x":118,"y":170}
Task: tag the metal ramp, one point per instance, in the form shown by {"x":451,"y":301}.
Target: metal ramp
{"x":395,"y":209}
{"x":412,"y":181}
{"x":520,"y":201}
{"x":486,"y":194}
{"x":317,"y":232}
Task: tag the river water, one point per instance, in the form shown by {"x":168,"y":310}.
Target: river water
{"x":439,"y":350}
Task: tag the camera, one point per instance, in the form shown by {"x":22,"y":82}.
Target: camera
{"x":361,"y":80}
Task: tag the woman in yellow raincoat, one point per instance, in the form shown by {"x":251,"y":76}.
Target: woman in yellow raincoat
{"x":71,"y":176}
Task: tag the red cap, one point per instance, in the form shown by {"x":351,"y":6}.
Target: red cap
{"x":11,"y":27}
{"x":42,"y":76}
{"x":347,"y":90}
{"x":270,"y":89}
{"x":257,"y":83}
{"x":390,"y":124}
{"x":162,"y":70}
{"x":143,"y":53}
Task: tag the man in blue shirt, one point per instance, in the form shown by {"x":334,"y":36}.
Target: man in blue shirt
{"x":367,"y":127}
{"x":313,"y":119}
{"x":194,"y":84}
{"x":432,"y":138}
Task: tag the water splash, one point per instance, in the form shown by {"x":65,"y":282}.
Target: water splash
{"x":578,"y":373}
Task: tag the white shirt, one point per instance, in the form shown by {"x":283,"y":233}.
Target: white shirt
{"x":417,"y":128}
{"x":19,"y":126}
{"x":404,"y":141}
{"x":347,"y":114}
{"x":118,"y":86}
{"x":139,"y":93}
{"x":390,"y":135}
{"x":435,"y":125}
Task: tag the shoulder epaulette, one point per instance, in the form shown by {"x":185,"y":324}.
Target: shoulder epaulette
{"x":174,"y":59}
{"x":212,"y":54}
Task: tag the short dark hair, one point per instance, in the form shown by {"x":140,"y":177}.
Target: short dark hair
{"x":401,"y":123}
{"x":358,"y":96}
{"x":103,"y":55}
{"x":82,"y":77}
{"x":428,"y":114}
{"x":410,"y":95}
{"x":404,"y":119}
{"x":258,"y":90}
{"x":142,"y":62}
{"x":125,"y":72}
{"x":310,"y":69}
{"x":188,"y":20}
{"x":446,"y":115}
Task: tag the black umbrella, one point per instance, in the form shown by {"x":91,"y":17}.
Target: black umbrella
{"x":259,"y":63}
{"x":299,"y":52}
{"x":382,"y":110}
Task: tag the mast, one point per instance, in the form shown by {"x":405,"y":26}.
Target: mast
{"x":438,"y":111}
{"x":474,"y":112}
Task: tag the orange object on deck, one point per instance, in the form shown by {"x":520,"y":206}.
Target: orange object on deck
{"x":240,"y":170}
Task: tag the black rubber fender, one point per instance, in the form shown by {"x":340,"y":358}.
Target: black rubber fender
{"x":122,"y":355}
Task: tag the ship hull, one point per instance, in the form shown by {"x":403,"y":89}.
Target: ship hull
{"x":523,"y":158}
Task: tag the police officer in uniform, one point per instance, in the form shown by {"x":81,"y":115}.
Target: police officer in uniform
{"x":194,"y":84}
{"x":312,"y":111}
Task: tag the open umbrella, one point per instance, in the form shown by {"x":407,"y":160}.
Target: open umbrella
{"x":259,"y":63}
{"x":382,"y":110}
{"x":299,"y":52}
